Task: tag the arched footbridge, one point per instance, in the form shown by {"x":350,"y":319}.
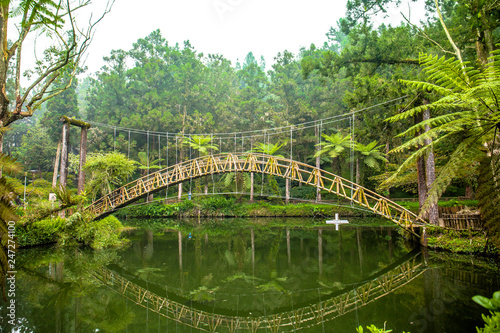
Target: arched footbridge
{"x":257,"y":163}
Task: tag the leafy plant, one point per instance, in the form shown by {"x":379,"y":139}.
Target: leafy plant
{"x":492,"y":322}
{"x":467,"y":111}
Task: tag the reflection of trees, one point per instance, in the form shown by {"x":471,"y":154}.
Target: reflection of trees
{"x":105,"y":311}
{"x":54,"y":283}
{"x":144,"y":249}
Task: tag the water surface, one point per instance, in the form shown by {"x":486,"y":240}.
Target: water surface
{"x":251,"y":278}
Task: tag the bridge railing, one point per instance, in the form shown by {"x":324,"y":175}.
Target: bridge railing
{"x":257,"y":163}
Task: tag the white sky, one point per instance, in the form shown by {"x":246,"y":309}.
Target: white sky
{"x":228,"y":27}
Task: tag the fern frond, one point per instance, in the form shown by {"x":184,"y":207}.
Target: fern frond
{"x":446,"y":103}
{"x":436,"y":125}
{"x":420,"y":85}
{"x":419,"y":141}
{"x":446,"y":72}
{"x":408,"y":163}
{"x":462,"y":154}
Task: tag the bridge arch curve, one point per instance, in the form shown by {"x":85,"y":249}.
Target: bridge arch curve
{"x":257,"y":163}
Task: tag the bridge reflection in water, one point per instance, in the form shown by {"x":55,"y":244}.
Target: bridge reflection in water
{"x":300,"y":318}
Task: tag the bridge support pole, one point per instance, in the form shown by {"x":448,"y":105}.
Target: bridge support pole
{"x":64,"y":156}
{"x":83,"y":159}
{"x":423,"y":237}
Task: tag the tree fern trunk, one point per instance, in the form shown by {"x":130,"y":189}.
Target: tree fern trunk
{"x":430,"y":172}
{"x":422,"y":186}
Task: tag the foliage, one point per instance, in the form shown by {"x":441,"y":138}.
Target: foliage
{"x":107,"y":171}
{"x":267,"y":148}
{"x":459,"y":241}
{"x":7,"y":213}
{"x":492,"y":322}
{"x":203,"y":144}
{"x":98,"y":234}
{"x":217,"y":204}
{"x":468,"y":110}
{"x":77,"y":228}
{"x":334,"y":146}
{"x":203,"y":294}
{"x":370,"y":154}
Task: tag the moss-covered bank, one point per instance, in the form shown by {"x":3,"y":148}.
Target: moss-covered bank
{"x":461,"y":241}
{"x":76,"y":229}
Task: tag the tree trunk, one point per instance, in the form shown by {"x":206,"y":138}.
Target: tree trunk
{"x":422,"y":185}
{"x":64,"y":156}
{"x":179,"y":194}
{"x":430,"y":172}
{"x":56,"y":164}
{"x":468,"y":191}
{"x":83,"y":159}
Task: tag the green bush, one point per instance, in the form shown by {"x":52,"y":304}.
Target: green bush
{"x":303,"y":192}
{"x":68,"y":231}
{"x":100,"y":234}
{"x":46,"y":231}
{"x":217,"y":204}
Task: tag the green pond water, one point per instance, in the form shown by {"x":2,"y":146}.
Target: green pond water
{"x":247,"y":277}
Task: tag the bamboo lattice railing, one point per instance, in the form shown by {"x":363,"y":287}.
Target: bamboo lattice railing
{"x":297,"y":319}
{"x":257,"y":163}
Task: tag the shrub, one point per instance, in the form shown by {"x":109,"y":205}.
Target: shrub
{"x":99,"y":234}
{"x":40,"y":232}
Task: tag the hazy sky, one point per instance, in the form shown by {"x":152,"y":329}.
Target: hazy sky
{"x":229,"y":27}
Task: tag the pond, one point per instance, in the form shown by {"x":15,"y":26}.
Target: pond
{"x":251,"y":277}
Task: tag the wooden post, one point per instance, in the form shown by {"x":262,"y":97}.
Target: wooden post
{"x":83,"y":159}
{"x":56,"y":164}
{"x":64,"y":154}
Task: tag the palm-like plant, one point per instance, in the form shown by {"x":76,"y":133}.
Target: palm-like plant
{"x":269,"y":149}
{"x":146,"y":164}
{"x":370,"y":155}
{"x":204,"y":145}
{"x":333,"y":146}
{"x":467,"y":111}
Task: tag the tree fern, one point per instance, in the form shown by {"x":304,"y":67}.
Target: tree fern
{"x":468,"y":109}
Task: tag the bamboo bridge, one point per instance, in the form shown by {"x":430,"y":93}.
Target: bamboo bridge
{"x":293,"y":320}
{"x":256,"y":163}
